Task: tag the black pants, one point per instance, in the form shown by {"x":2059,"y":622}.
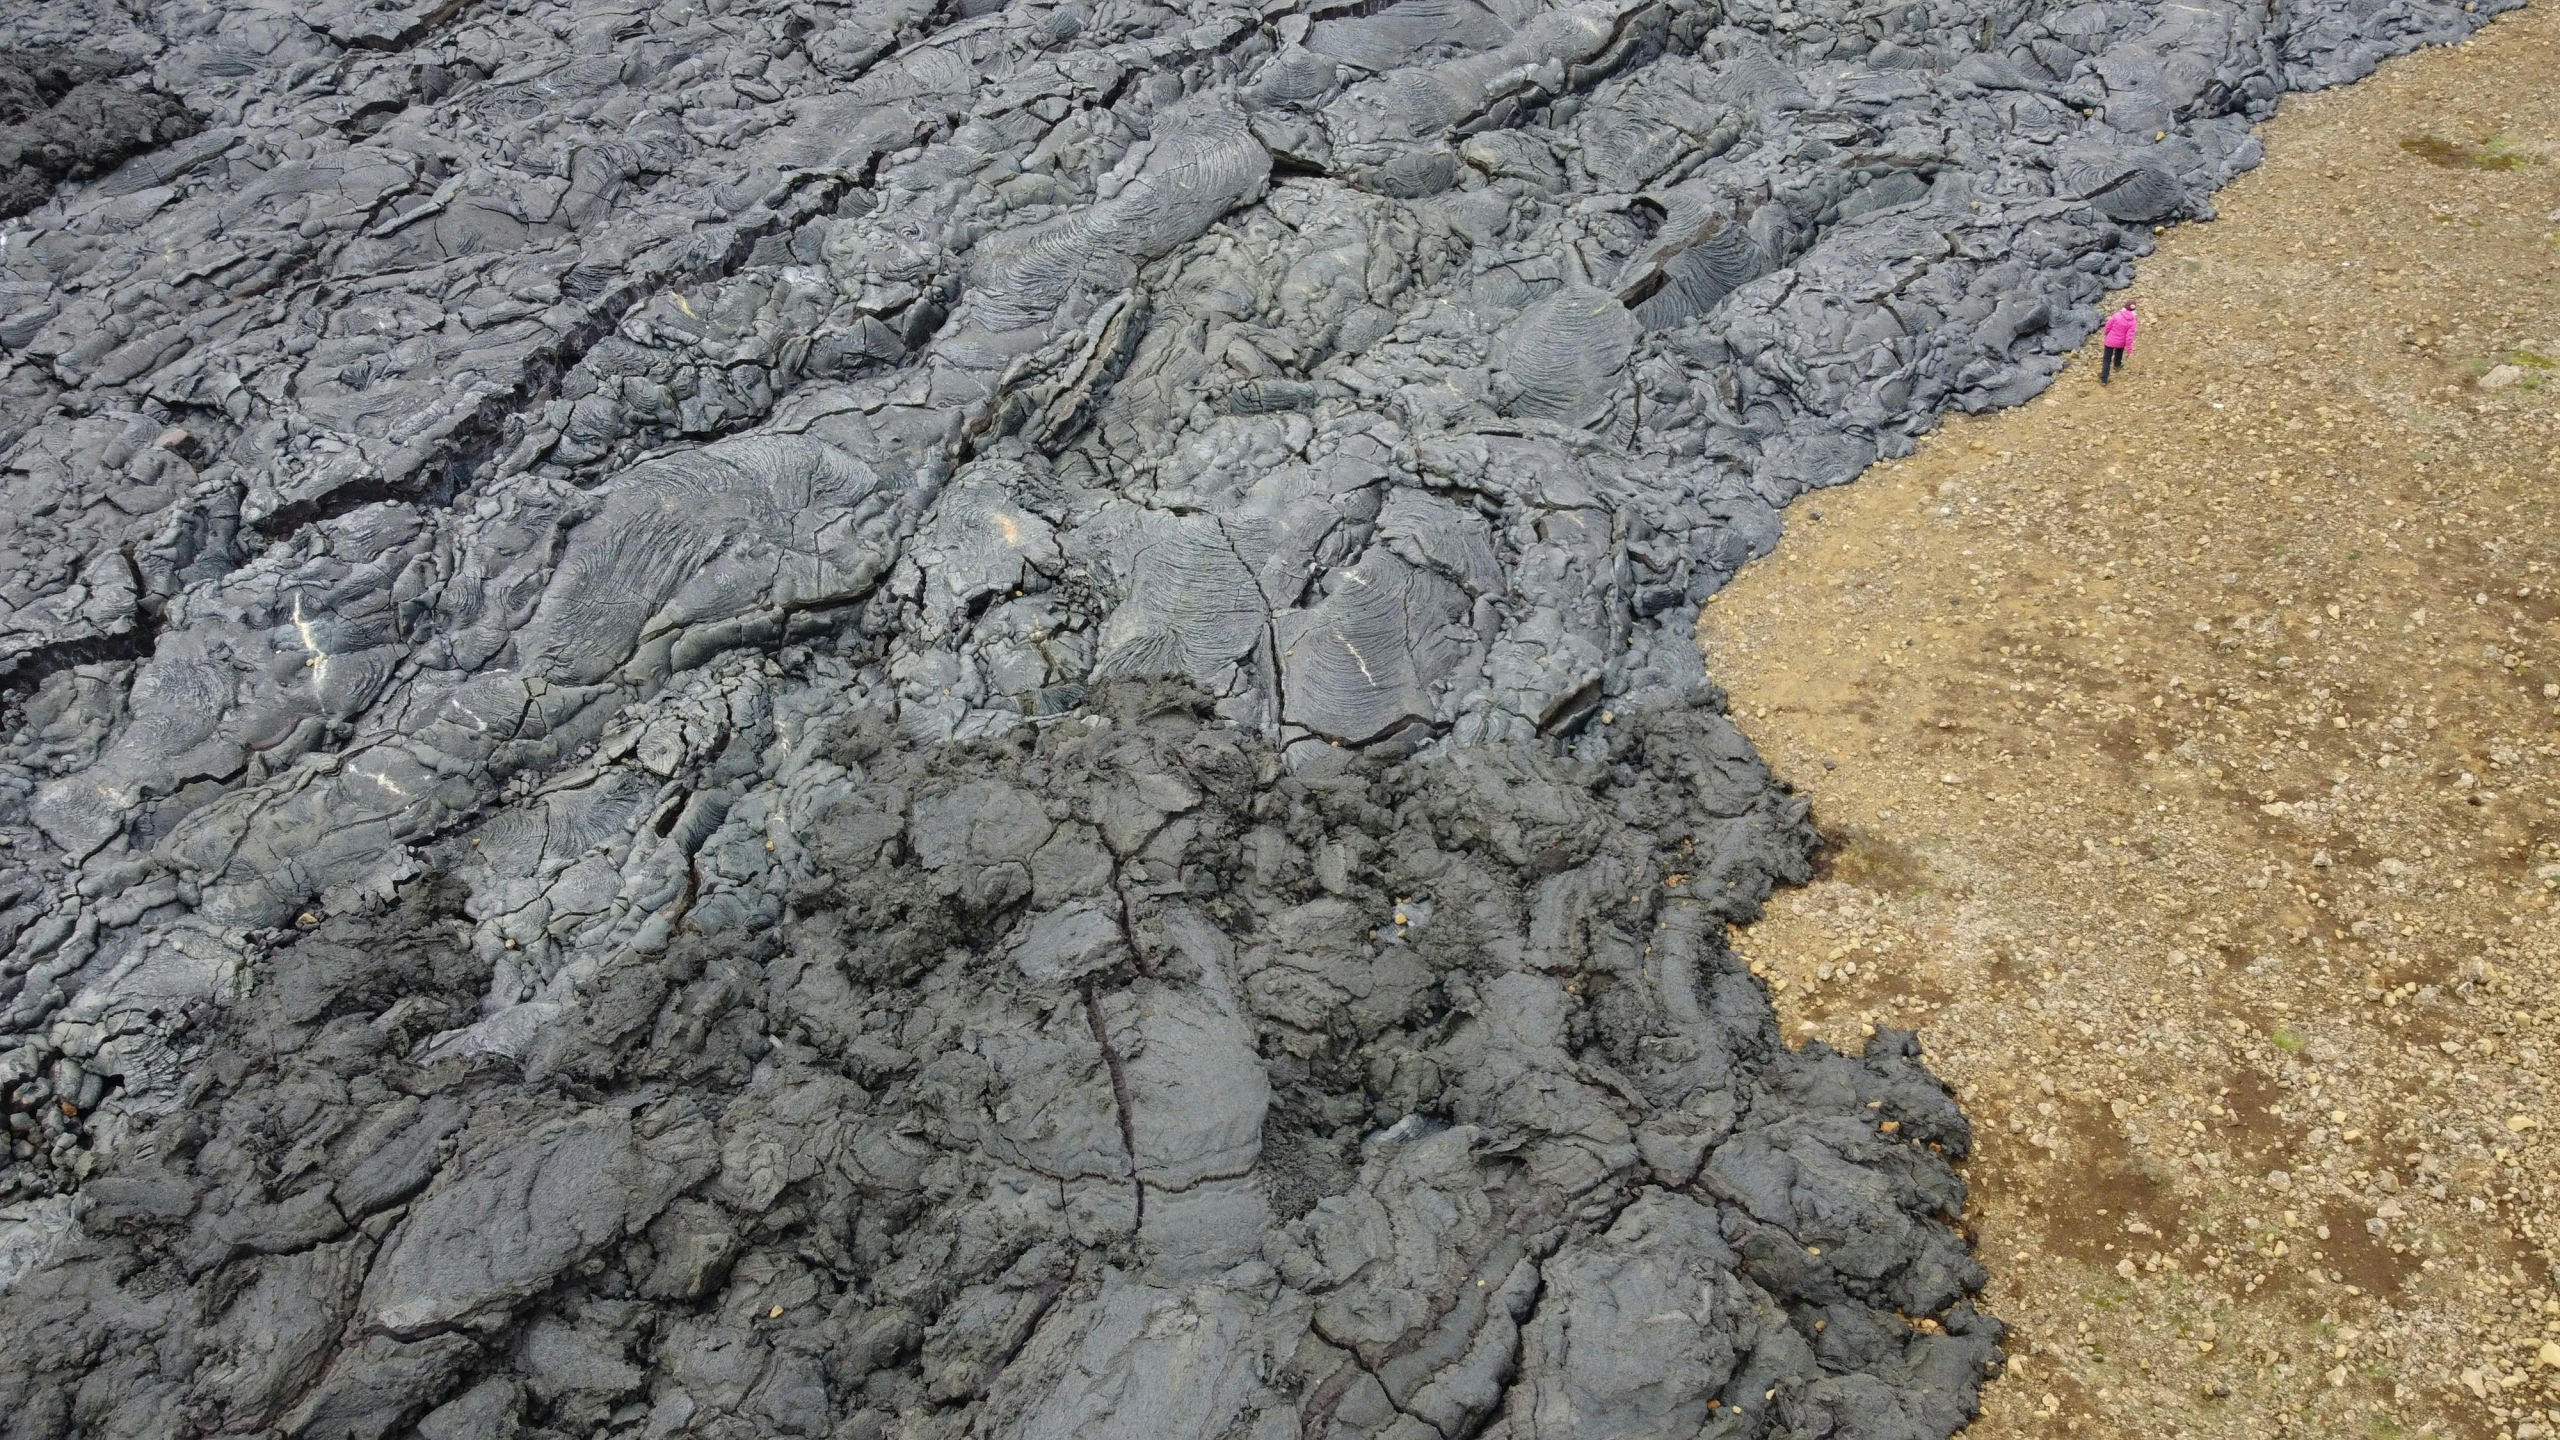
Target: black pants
{"x":2113,"y":362}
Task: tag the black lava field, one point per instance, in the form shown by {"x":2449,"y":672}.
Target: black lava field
{"x":733,"y":718}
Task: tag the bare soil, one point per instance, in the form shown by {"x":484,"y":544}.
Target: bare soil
{"x":2189,"y":750}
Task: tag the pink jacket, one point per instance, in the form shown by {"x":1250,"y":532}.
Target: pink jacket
{"x":2120,"y":328}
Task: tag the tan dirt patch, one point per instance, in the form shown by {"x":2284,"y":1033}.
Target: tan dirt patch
{"x":2188,"y":752}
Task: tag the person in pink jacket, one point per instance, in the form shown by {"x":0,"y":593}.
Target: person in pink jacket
{"x":2119,"y":338}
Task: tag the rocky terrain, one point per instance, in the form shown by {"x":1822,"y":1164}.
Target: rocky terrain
{"x":897,"y":720}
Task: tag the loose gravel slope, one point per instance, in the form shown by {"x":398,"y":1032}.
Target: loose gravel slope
{"x":2187,"y":750}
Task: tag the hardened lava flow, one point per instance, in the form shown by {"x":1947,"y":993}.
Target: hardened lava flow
{"x":736,"y":718}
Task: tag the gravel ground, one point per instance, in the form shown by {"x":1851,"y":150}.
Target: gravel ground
{"x":2187,"y":750}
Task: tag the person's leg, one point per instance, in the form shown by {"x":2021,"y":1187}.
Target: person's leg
{"x":2107,"y":365}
